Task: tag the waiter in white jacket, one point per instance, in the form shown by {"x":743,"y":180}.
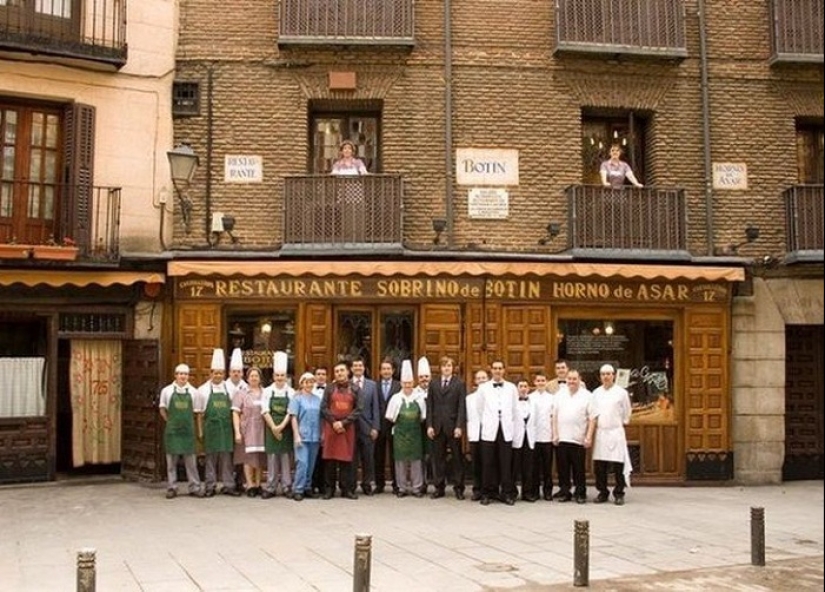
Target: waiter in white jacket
{"x":497,"y":407}
{"x":612,"y":412}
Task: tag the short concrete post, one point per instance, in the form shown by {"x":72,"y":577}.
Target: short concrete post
{"x":86,"y":570}
{"x":758,"y":536}
{"x":363,"y":563}
{"x":581,"y":553}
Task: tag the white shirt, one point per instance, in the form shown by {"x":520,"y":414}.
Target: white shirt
{"x":497,"y":408}
{"x":573,"y":412}
{"x":473,"y":417}
{"x":399,"y":398}
{"x":205,"y":390}
{"x":612,"y":412}
{"x":318,"y":390}
{"x":232,"y":388}
{"x":520,"y":421}
{"x":167,"y":392}
{"x":273,"y":391}
{"x":542,"y":408}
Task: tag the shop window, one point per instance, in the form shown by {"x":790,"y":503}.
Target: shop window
{"x":602,"y":130}
{"x":22,"y":367}
{"x":259,"y":335}
{"x":641,"y":352}
{"x":331,"y":124}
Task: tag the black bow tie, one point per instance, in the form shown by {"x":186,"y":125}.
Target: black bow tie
{"x":497,"y":384}
{"x":562,"y":382}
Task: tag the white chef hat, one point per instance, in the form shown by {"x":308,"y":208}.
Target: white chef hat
{"x":279,"y":362}
{"x":236,"y":362}
{"x":181,"y":368}
{"x":406,"y":371}
{"x":218,"y":359}
{"x":424,"y":366}
{"x":607,"y":368}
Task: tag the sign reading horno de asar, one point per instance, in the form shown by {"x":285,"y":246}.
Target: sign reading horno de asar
{"x":730,"y":175}
{"x":446,"y":288}
{"x":481,"y":166}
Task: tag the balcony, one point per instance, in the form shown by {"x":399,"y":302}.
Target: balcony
{"x":796,"y":31}
{"x":86,"y":32}
{"x":335,"y":213}
{"x":650,"y":222}
{"x":803,"y":221}
{"x":653,"y":28}
{"x":347,"y":22}
{"x":85,"y":215}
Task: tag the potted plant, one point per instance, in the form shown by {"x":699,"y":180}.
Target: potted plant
{"x":66,"y":250}
{"x":11,"y":250}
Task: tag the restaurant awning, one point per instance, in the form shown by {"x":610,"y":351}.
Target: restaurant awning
{"x":453,"y":268}
{"x":56,"y":279}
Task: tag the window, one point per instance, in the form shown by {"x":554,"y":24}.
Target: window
{"x":333,"y":123}
{"x":185,"y":99}
{"x":22,"y":366}
{"x":259,"y":335}
{"x":602,"y":129}
{"x":809,"y":152}
{"x":53,"y":19}
{"x":641,"y":351}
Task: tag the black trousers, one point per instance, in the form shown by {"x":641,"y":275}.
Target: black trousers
{"x":443,"y":445}
{"x":602,"y":468}
{"x":383,"y":452}
{"x":524,"y":469}
{"x":318,"y":472}
{"x":340,"y":471}
{"x":475,"y":459}
{"x":543,"y":456}
{"x":497,"y":468}
{"x":570,"y":459}
{"x":365,"y":456}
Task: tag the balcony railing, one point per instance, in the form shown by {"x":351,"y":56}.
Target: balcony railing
{"x":803,"y":220}
{"x":651,"y":221}
{"x":347,"y":22}
{"x":85,"y":215}
{"x":323,"y":211}
{"x":90,"y":30}
{"x":796,"y":30}
{"x":648,"y":28}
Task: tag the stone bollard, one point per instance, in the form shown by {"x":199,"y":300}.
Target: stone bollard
{"x":581,"y":553}
{"x":362,"y":563}
{"x":758,"y":536}
{"x":86,"y":570}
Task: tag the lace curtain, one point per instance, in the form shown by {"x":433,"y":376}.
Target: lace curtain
{"x":22,"y":387}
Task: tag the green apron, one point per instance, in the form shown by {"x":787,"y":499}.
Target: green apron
{"x":180,"y":424}
{"x":277,"y":410}
{"x":218,"y":433}
{"x":407,"y":441}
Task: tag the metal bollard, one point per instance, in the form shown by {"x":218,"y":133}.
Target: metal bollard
{"x":758,"y":536}
{"x":86,"y":570}
{"x":581,"y":553}
{"x":362,"y":564}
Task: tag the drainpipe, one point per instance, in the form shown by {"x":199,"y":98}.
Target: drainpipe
{"x":703,"y":66}
{"x":448,"y":123}
{"x":209,"y":137}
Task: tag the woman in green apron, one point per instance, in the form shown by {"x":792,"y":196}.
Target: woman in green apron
{"x":407,"y":410}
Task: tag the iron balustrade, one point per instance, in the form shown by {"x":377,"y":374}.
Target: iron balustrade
{"x":331,"y":210}
{"x":93,"y":30}
{"x":348,"y":22}
{"x":796,"y":30}
{"x":84,"y":216}
{"x":640,"y":219}
{"x":652,"y":27}
{"x":803,"y":218}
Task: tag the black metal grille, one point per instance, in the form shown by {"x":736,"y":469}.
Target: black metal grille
{"x":92,"y":323}
{"x":185,"y":99}
{"x":803,"y":218}
{"x":368,"y":22}
{"x":797,"y":30}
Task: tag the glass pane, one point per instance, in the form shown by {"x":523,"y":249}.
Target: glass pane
{"x":259,"y":335}
{"x":354,"y":337}
{"x":48,"y":202}
{"x":61,"y":8}
{"x":33,"y":205}
{"x":8,"y":163}
{"x":37,"y":129}
{"x":5,"y":200}
{"x":397,"y":337}
{"x":327,"y":136}
{"x":52,"y":127}
{"x":34,"y":165}
{"x":641,"y":352}
{"x":10,"y":131}
{"x":50,"y":175}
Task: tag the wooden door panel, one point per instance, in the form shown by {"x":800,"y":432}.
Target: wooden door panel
{"x":441,"y":333}
{"x":804,"y":446}
{"x":318,"y":336}
{"x":482,"y":333}
{"x":527,"y":344}
{"x":140,"y":441}
{"x":199,"y":332}
{"x":706,"y":409}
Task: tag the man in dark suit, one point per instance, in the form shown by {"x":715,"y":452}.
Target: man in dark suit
{"x":369,"y":424}
{"x":387,"y":387}
{"x":446,"y":418}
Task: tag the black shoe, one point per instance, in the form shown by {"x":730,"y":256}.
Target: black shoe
{"x":601,"y":498}
{"x":580,"y":499}
{"x":327,"y":495}
{"x":437,"y":494}
{"x":564,"y":499}
{"x":267,"y":494}
{"x":308,"y":494}
{"x":209,"y":493}
{"x":197,"y":493}
{"x":171,"y":494}
{"x":509,"y":501}
{"x":418,"y":494}
{"x":459,"y":494}
{"x":379,"y":490}
{"x":485,"y":501}
{"x":231,"y":491}
{"x":476,"y":496}
{"x":400,"y":494}
{"x":368,"y":491}
{"x":618,"y":500}
{"x":351,"y":495}
{"x":298,"y":497}
{"x":556,"y":495}
{"x":529,"y":498}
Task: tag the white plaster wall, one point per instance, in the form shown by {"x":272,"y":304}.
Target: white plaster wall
{"x":133,"y":115}
{"x":758,"y":371}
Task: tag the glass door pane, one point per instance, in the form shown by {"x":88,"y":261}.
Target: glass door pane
{"x":396,"y":336}
{"x":353,"y":337}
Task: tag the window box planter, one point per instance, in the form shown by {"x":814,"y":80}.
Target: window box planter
{"x":8,"y":251}
{"x":54,"y":253}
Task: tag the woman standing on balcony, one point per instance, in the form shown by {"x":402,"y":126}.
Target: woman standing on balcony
{"x":348,"y":163}
{"x":350,"y":195}
{"x":614,"y":170}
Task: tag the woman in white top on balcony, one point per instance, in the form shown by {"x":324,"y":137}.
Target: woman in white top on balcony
{"x":614,"y":170}
{"x":348,"y":163}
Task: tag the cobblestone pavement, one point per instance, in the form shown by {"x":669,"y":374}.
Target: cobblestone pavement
{"x":664,"y":538}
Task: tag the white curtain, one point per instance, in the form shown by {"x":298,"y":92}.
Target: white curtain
{"x":22,"y":387}
{"x":96,"y":387}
